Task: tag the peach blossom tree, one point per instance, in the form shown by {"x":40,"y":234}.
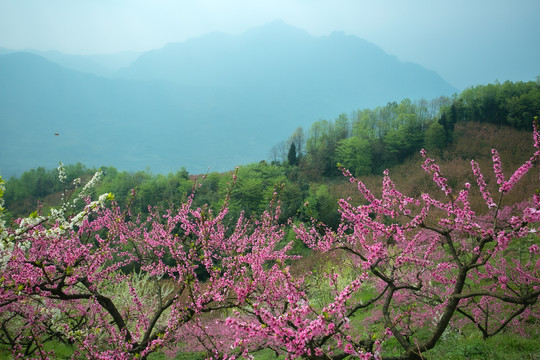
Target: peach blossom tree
{"x":421,"y":268}
{"x":118,"y":285}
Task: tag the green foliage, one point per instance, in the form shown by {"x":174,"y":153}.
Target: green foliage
{"x":22,"y":193}
{"x":210,"y":189}
{"x":512,"y":103}
{"x":299,"y":247}
{"x":291,"y":157}
{"x":354,"y":154}
{"x":255,"y":186}
{"x":292,"y":198}
{"x":181,"y":356}
{"x":326,"y":206}
{"x":368,"y":141}
{"x":455,"y":345}
{"x":320,"y":204}
{"x":371,"y":140}
{"x":435,"y":137}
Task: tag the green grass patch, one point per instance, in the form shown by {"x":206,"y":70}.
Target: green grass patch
{"x":500,"y":347}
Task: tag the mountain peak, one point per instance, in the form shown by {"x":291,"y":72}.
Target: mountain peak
{"x":275,"y":54}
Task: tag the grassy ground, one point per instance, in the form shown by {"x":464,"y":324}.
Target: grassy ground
{"x":500,"y":347}
{"x":503,"y":347}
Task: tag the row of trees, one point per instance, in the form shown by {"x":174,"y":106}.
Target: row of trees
{"x":512,"y":104}
{"x":366,"y":141}
{"x":371,"y":140}
{"x":40,"y":182}
{"x":250,"y":196}
{"x":412,"y":268}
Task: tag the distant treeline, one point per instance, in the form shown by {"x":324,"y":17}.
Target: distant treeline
{"x":371,"y":140}
{"x":514,"y":104}
{"x":366,"y":142}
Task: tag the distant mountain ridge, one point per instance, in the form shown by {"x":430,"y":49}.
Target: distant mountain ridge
{"x":278,"y":57}
{"x":100,"y":64}
{"x":215,"y":102}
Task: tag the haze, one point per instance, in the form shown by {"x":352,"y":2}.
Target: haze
{"x":466,"y":42}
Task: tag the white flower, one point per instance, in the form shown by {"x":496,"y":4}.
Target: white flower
{"x":103,"y":197}
{"x":61,"y":173}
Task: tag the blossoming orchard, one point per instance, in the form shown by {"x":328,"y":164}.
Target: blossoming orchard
{"x":120,"y":285}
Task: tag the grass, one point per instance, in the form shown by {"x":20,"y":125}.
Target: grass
{"x":500,"y":347}
{"x":454,"y":347}
{"x":61,"y":351}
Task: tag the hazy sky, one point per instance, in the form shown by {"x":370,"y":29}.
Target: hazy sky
{"x":466,"y":41}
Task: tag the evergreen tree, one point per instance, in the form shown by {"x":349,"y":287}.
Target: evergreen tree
{"x":291,"y":157}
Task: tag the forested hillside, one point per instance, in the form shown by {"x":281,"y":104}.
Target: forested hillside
{"x":371,"y":140}
{"x":366,"y":142}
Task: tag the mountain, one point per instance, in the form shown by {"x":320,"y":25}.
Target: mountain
{"x":100,"y":64}
{"x":212,"y":102}
{"x":344,"y":72}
